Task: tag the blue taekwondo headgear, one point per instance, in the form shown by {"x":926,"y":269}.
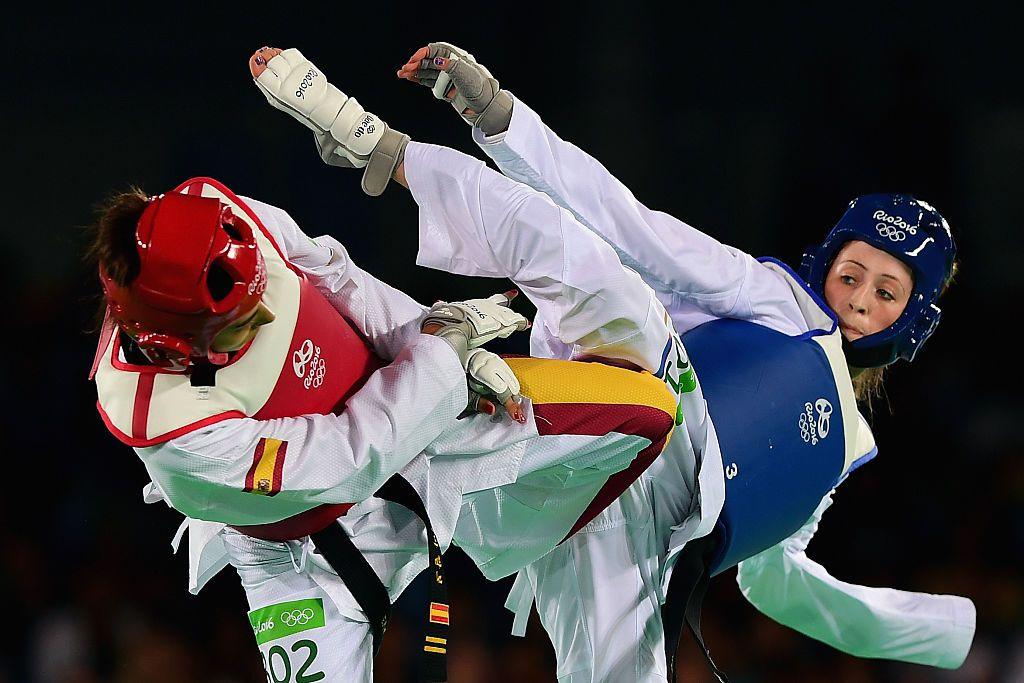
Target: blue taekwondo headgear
{"x":915,"y":233}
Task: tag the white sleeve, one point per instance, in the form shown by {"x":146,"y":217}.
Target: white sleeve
{"x":670,"y":255}
{"x":387,"y":317}
{"x":315,"y":459}
{"x":786,"y":585}
{"x":474,"y":221}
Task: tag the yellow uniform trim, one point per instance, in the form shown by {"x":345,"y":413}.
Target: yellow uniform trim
{"x":439,"y":641}
{"x":436,"y":650}
{"x":545,"y":380}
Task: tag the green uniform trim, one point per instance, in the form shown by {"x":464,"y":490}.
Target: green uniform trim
{"x":286,"y":619}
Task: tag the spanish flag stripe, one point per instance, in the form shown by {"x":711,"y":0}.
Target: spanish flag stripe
{"x":438,"y":613}
{"x":264,"y":477}
{"x":282,"y":451}
{"x":435,"y":650}
{"x":544,"y":380}
{"x":265,"y":468}
{"x":250,"y":476}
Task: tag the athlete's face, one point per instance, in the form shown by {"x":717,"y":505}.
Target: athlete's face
{"x":867,"y":288}
{"x":238,"y":334}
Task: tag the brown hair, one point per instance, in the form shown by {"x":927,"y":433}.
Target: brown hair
{"x":112,"y":240}
{"x":112,"y":235}
{"x":869,"y":383}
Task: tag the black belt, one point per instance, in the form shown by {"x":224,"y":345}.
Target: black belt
{"x":372,"y":596}
{"x":686,"y":590}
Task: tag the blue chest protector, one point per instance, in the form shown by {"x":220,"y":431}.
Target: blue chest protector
{"x":776,"y":409}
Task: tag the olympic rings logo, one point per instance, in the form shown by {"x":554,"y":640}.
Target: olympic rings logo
{"x":892,"y":227}
{"x":807,"y":426}
{"x":892,"y":233}
{"x":297,"y":617}
{"x":315,"y":378}
{"x":814,"y":421}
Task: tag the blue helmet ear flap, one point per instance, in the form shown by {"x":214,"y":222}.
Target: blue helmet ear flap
{"x":912,"y":231}
{"x":896,"y":342}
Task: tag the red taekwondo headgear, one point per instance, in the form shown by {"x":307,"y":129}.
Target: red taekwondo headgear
{"x":200,"y":269}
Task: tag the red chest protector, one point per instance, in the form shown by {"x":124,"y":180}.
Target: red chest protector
{"x":310,"y":360}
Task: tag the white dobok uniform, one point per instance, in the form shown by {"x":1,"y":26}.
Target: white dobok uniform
{"x":598,"y":594}
{"x":482,"y":479}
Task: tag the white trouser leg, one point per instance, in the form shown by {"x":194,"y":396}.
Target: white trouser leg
{"x":597,"y":599}
{"x":301,"y":634}
{"x":474,"y":221}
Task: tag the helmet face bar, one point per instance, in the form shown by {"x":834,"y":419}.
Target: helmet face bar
{"x":915,"y":233}
{"x":200,"y":269}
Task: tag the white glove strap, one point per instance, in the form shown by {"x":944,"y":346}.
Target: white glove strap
{"x":482,"y":319}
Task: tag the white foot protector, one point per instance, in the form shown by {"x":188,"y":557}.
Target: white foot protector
{"x":346,"y":134}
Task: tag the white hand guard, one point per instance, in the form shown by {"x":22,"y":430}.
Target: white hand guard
{"x":489,"y":375}
{"x":346,"y":134}
{"x":470,"y":324}
{"x":475,"y":88}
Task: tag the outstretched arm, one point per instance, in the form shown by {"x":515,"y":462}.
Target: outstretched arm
{"x":786,"y":585}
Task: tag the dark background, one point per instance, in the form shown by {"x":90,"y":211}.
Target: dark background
{"x":756,"y":125}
